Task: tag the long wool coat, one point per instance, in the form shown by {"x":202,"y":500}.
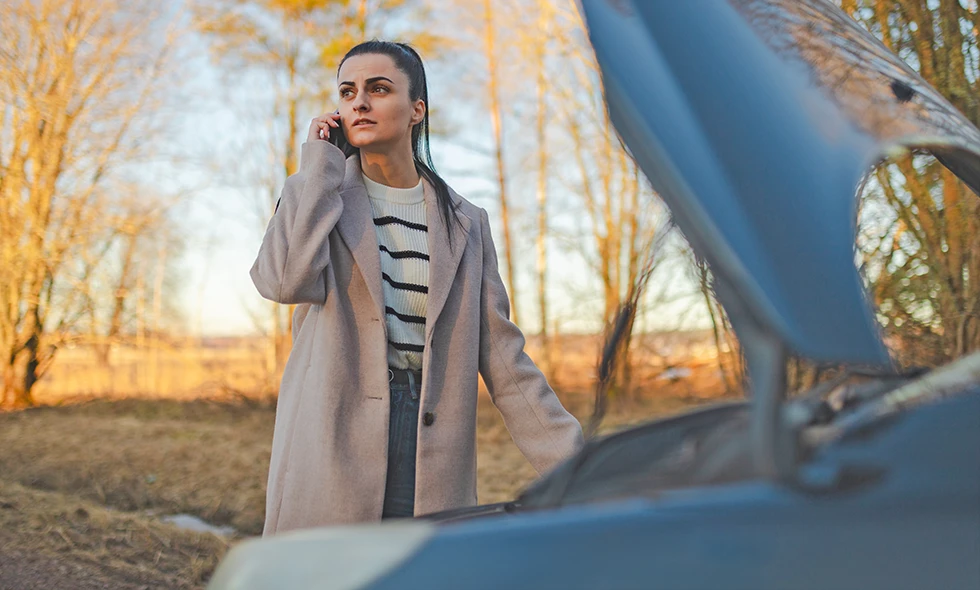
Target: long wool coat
{"x":329,"y":450}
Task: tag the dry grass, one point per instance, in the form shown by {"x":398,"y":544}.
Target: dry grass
{"x":82,"y":544}
{"x":203,"y":458}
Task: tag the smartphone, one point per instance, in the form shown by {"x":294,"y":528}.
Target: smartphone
{"x":338,"y":138}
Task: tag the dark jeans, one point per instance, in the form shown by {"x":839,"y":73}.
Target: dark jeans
{"x":403,"y":426}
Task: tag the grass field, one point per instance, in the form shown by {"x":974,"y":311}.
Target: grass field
{"x":84,"y":485}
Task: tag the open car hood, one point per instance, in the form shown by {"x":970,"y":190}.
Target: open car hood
{"x":756,"y":121}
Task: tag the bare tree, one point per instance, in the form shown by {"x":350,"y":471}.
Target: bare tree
{"x":78,"y":79}
{"x":136,"y":235}
{"x":541,"y":119}
{"x":496,"y":118}
{"x":360,"y":20}
{"x":622,"y":209}
{"x":731,"y":364}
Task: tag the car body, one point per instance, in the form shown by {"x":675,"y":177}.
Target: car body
{"x":757,"y":137}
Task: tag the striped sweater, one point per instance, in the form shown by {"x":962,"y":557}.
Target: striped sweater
{"x":399,"y":222}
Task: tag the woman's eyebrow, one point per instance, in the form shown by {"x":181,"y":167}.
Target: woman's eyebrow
{"x":368,"y":81}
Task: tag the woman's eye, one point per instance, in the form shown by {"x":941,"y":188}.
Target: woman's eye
{"x":382,"y":89}
{"x":345,"y":92}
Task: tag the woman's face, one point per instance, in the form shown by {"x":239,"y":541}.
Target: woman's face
{"x":376,"y":109}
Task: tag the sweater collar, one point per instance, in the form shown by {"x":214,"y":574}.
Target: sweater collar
{"x":398,"y":196}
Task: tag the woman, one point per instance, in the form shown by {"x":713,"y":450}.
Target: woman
{"x":400,"y":306}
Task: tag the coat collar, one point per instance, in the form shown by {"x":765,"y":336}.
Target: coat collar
{"x":356,"y":226}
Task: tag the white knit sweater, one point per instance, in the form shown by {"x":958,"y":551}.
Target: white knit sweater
{"x":399,"y":222}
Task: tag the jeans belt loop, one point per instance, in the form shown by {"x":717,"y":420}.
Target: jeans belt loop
{"x":411,"y":384}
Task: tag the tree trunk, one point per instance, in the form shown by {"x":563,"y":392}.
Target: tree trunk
{"x":16,"y":396}
{"x":30,"y":370}
{"x":497,"y":122}
{"x":624,"y":364}
{"x":9,"y":384}
{"x":547,"y":357}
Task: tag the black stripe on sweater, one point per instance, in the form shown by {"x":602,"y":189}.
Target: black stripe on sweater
{"x":389,"y":219}
{"x":409,"y":319}
{"x":407,"y":347}
{"x":404,"y":286}
{"x":404,"y":253}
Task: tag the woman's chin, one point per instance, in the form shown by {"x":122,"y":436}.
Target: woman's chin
{"x":360,"y":144}
{"x":371,"y":146}
{"x":361,"y":138}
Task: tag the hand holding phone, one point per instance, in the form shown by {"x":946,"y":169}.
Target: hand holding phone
{"x":327,"y":127}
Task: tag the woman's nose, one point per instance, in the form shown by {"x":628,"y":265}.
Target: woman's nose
{"x":361,"y":104}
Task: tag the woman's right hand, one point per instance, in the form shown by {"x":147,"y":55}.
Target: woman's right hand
{"x":320,"y":126}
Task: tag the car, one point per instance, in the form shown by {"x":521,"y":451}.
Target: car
{"x":758,"y":137}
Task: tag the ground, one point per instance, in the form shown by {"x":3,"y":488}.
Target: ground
{"x":82,"y":486}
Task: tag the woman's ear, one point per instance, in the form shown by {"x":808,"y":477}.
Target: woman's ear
{"x":419,"y":112}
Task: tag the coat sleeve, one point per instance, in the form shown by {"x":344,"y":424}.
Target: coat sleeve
{"x":543,"y":430}
{"x":295,"y":249}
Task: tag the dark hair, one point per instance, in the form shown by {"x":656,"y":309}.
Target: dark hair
{"x":410,"y":63}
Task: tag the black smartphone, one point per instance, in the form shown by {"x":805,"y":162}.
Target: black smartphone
{"x":338,"y":138}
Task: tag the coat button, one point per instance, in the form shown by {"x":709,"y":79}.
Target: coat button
{"x":428,"y":418}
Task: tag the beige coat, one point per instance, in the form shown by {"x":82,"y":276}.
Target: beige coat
{"x":329,"y":450}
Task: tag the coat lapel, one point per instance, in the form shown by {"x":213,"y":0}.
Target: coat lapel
{"x":356,"y":225}
{"x":443,"y":260}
